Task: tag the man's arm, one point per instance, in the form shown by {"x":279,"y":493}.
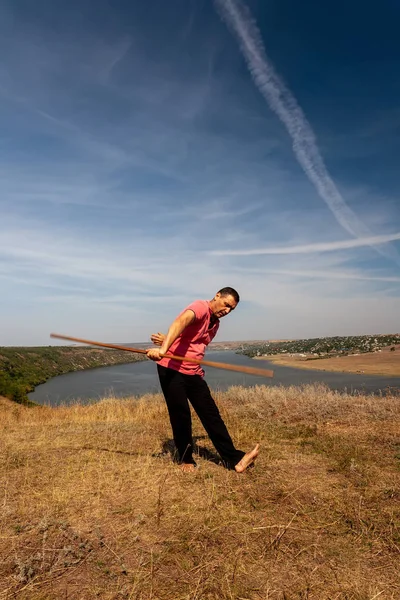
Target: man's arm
{"x":174,"y":332}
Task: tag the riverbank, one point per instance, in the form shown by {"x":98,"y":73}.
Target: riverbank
{"x":22,"y":369}
{"x":141,"y":378}
{"x":382,"y":363}
{"x":95,"y":507}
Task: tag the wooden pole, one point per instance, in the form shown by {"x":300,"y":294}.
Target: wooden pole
{"x":207,"y":363}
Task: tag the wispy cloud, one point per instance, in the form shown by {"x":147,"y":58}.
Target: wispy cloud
{"x":328,"y":274}
{"x":313,"y":248}
{"x":121,"y":51}
{"x":284,"y":104}
{"x":138,"y":174}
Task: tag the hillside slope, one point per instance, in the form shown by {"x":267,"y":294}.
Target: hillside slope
{"x":93,"y":506}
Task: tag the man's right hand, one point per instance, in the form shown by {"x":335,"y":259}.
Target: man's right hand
{"x":155,"y":354}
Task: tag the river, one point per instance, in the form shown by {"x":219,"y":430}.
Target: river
{"x":137,"y":379}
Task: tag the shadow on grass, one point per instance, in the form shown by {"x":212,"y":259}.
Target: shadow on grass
{"x":168,"y":447}
{"x":113,"y":450}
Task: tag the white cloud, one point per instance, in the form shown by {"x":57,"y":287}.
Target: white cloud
{"x":127,"y":190}
{"x":313,"y":248}
{"x":284,"y":104}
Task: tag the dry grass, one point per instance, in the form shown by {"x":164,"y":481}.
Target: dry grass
{"x":92,"y":507}
{"x":373,"y":363}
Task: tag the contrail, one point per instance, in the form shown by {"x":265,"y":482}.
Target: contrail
{"x":282,"y":102}
{"x":374,"y":240}
{"x":323,"y":275}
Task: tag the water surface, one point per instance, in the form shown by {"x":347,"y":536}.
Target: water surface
{"x":136,"y":379}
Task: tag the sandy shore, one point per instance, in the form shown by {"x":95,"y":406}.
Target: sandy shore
{"x":371,"y":363}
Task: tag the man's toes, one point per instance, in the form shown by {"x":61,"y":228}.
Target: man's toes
{"x":188,"y":468}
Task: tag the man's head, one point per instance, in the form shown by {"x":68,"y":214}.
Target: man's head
{"x":224,"y":302}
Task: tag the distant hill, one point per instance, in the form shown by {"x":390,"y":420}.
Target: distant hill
{"x":21,"y":369}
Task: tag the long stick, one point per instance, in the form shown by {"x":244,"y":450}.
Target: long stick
{"x":208,"y":363}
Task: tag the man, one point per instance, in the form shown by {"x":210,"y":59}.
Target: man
{"x":189,"y":334}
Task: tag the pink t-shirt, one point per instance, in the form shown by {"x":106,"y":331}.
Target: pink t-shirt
{"x":193,"y":340}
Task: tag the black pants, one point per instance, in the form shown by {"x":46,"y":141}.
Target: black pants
{"x":178,"y":388}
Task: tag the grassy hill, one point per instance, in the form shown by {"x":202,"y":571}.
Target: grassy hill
{"x":21,"y":369}
{"x":93,"y":507}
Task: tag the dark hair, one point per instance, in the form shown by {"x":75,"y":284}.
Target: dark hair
{"x":228,"y":291}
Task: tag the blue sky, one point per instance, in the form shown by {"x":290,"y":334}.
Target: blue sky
{"x":153,"y":152}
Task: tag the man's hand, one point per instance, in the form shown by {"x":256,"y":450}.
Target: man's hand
{"x":166,"y":341}
{"x":157,"y":338}
{"x":154,"y":354}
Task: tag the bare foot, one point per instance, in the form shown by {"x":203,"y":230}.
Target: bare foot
{"x":247,"y":459}
{"x":188,"y":468}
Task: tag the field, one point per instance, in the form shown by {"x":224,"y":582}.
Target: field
{"x":92,"y":505}
{"x":372,"y":363}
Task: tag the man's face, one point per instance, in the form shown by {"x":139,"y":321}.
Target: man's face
{"x":223,"y":305}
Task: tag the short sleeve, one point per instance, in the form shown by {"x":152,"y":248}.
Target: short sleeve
{"x":200,"y":309}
